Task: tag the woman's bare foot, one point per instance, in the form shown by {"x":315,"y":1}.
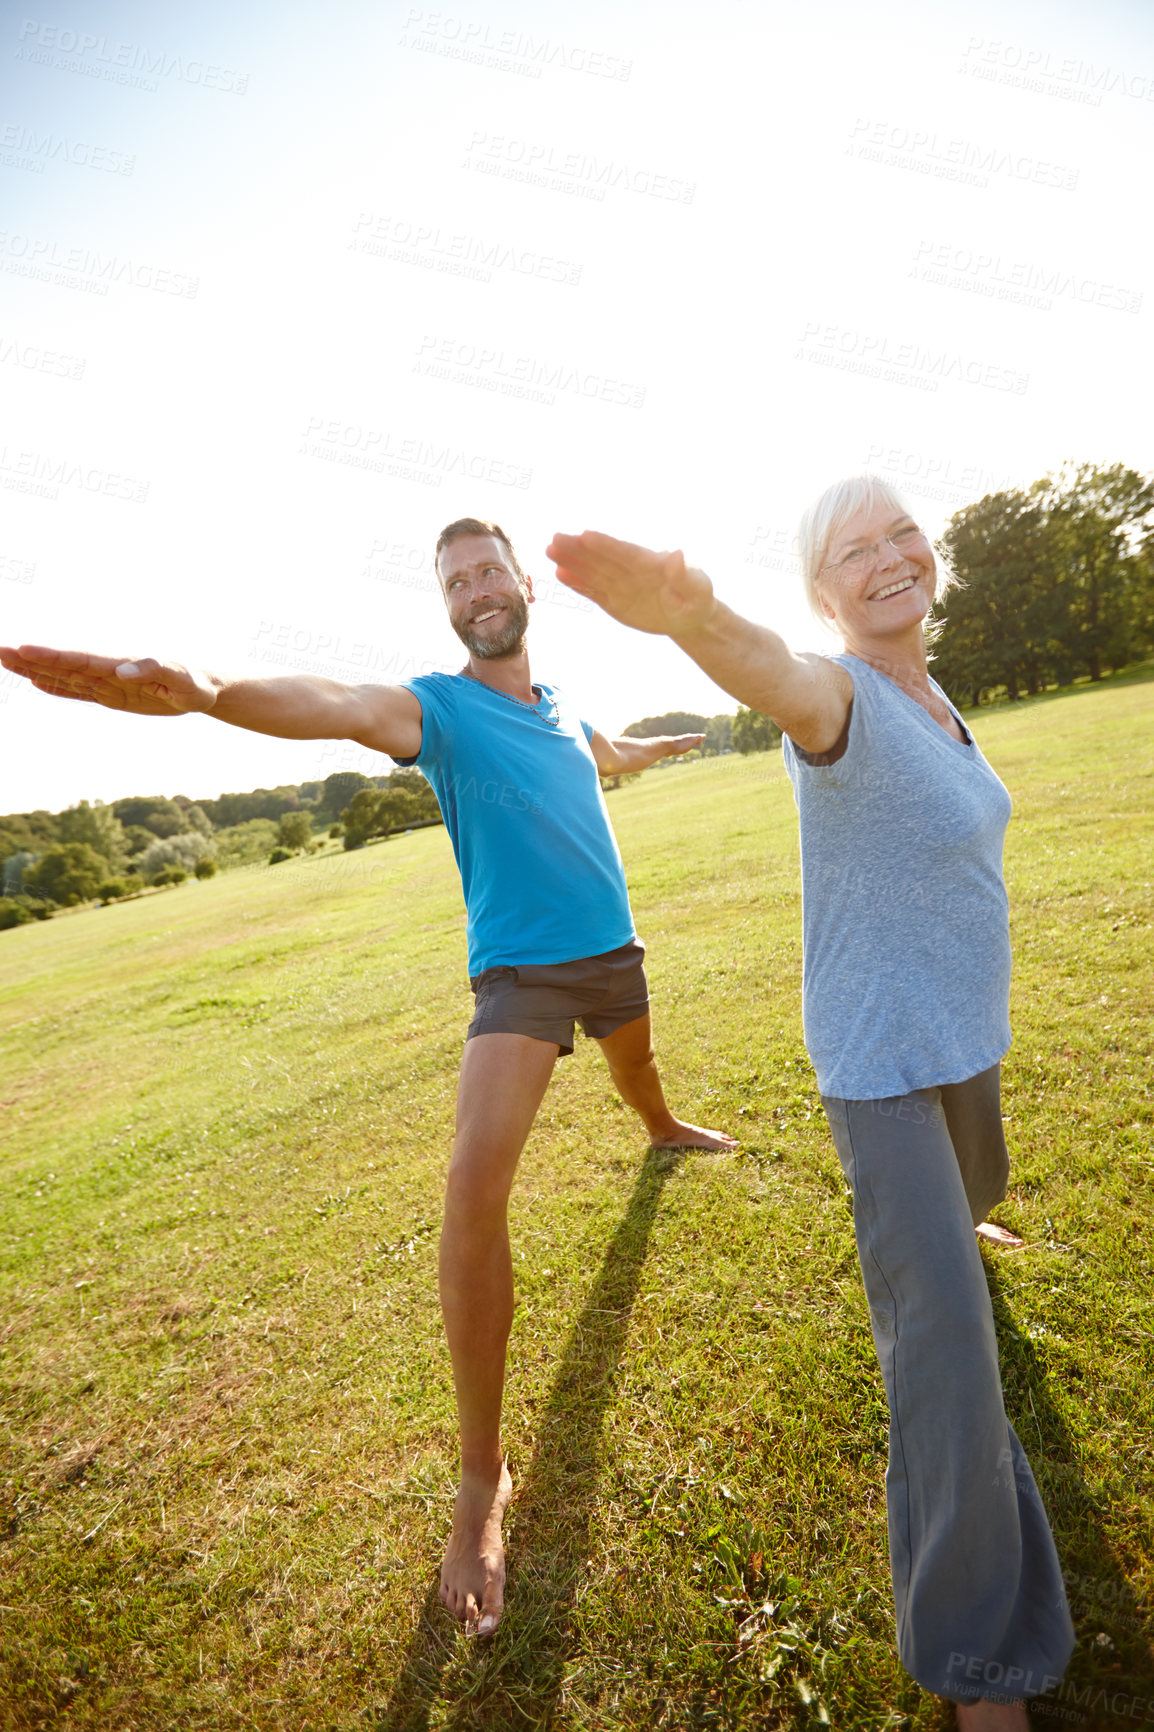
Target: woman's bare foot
{"x":473,"y":1573}
{"x":994,"y":1234}
{"x":683,"y":1136}
{"x":987,"y":1716}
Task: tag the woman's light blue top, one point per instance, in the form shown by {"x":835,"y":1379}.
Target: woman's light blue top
{"x":906,"y":975}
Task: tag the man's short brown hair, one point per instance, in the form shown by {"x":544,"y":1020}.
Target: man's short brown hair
{"x":474,"y":526}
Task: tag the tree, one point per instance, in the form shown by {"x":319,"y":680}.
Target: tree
{"x":338,"y":790}
{"x":196,"y":818}
{"x":1098,"y":520}
{"x":98,"y":826}
{"x":1056,"y":582}
{"x":30,"y":832}
{"x":718,"y":736}
{"x":295,"y":830}
{"x":1002,"y":625}
{"x":113,"y":888}
{"x":244,"y":844}
{"x":417,"y":786}
{"x":137,"y":839}
{"x":14,"y":869}
{"x":406,"y":800}
{"x":373,"y":812}
{"x":753,"y":732}
{"x":154,"y":812}
{"x":68,"y":874}
{"x":233,"y":809}
{"x":673,"y":722}
{"x":181,"y":853}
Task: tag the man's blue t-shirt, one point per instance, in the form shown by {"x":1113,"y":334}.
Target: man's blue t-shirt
{"x":522,"y":802}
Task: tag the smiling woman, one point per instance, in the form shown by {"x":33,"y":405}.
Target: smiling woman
{"x":906,"y":1008}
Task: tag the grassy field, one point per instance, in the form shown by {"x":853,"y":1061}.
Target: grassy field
{"x":227,"y":1429}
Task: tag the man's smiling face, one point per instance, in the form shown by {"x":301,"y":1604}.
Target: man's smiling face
{"x":488,"y":602}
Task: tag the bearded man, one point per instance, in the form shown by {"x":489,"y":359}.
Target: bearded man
{"x":550,"y":935}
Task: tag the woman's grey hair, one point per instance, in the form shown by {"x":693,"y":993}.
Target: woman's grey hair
{"x":824,"y":521}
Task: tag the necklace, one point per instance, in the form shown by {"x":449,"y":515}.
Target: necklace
{"x":551,"y":717}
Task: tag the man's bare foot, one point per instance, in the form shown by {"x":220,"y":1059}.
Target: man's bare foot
{"x":683,"y":1136}
{"x":473,"y":1573}
{"x":1001,"y":1236}
{"x":987,"y":1716}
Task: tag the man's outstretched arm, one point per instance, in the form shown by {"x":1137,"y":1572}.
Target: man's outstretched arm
{"x":808,"y":696}
{"x":621,"y":757}
{"x":292,"y":707}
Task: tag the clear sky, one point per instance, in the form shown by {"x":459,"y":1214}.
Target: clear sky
{"x":287,"y":287}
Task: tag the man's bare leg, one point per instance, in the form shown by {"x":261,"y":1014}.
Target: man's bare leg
{"x":503,"y":1078}
{"x":629,"y":1055}
{"x":986,"y":1716}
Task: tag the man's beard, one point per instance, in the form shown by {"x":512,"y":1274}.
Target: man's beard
{"x":509,"y":641}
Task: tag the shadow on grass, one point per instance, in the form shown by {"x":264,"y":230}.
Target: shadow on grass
{"x":1114,"y":1656}
{"x":515,"y":1678}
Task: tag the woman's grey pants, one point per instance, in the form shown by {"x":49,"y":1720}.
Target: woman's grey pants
{"x":981,"y":1606}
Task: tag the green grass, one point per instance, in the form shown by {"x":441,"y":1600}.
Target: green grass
{"x":226,"y":1421}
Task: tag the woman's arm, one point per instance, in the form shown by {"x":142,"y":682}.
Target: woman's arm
{"x":808,"y":696}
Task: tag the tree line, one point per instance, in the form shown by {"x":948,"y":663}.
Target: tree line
{"x":100,"y":853}
{"x":104,"y":852}
{"x":1057,"y":582}
{"x":747,"y":731}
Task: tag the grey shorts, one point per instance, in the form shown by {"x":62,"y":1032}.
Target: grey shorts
{"x":544,"y":1000}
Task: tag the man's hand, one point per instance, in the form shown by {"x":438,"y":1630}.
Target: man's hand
{"x":654,"y":592}
{"x":290,"y":707}
{"x":622,"y":757}
{"x":673,"y":745}
{"x":143,"y":688}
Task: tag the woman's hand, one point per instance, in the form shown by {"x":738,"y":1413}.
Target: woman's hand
{"x":654,"y":592}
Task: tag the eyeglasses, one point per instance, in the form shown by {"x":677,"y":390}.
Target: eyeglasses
{"x":865,"y":557}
